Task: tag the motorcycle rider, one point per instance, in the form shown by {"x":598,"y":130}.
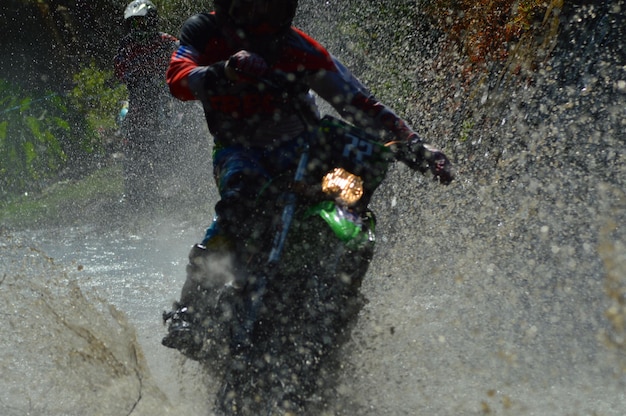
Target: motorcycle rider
{"x":224,"y":60}
{"x":141,"y":62}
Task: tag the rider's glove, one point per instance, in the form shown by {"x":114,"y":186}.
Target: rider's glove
{"x":421,"y":156}
{"x":246,"y":66}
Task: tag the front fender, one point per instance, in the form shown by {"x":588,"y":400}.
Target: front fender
{"x":352,"y":229}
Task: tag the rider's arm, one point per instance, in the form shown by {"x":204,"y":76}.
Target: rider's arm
{"x":356,"y":104}
{"x":119,"y":67}
{"x":120,"y":61}
{"x":190,"y":72}
{"x":187,"y":79}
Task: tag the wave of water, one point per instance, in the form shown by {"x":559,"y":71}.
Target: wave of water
{"x":489,"y":329}
{"x":81,"y":328}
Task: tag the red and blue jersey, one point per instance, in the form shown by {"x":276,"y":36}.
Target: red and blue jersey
{"x":251,"y":113}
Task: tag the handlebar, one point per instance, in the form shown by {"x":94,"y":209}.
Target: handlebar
{"x":416,"y":154}
{"x":422,"y":157}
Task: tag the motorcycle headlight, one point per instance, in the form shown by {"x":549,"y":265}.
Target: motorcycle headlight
{"x":342,"y":185}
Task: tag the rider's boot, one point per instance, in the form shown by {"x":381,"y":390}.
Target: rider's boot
{"x":208,"y":269}
{"x":184,"y":332}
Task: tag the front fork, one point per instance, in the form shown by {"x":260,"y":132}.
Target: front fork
{"x":257,"y":283}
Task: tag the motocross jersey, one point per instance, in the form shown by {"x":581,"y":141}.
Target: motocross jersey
{"x":141,"y":65}
{"x":250,"y":113}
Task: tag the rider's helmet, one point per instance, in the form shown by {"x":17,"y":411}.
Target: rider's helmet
{"x":141,"y":16}
{"x":258,"y":16}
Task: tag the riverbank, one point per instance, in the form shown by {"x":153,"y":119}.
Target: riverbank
{"x":71,"y":202}
{"x":97,"y":200}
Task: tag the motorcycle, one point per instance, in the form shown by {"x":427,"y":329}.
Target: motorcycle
{"x":271,"y":331}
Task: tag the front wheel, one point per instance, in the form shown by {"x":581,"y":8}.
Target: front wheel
{"x":309,"y":307}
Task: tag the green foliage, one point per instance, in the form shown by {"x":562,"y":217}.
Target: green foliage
{"x":32,"y":130}
{"x":93,"y":97}
{"x":62,"y":201}
{"x":383,"y":36}
{"x":172,"y":13}
{"x":41,"y":134}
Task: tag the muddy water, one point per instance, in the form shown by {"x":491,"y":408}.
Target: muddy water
{"x":464,"y":317}
{"x":82,"y":334}
{"x":474,"y":319}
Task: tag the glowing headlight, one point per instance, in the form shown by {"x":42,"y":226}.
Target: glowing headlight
{"x":343,"y":186}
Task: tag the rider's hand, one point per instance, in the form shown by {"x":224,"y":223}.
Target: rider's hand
{"x":439,"y":164}
{"x":421,"y":156}
{"x":246,"y":66}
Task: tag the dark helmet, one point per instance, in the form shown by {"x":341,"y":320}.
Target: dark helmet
{"x":262,"y":16}
{"x":141,"y":15}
